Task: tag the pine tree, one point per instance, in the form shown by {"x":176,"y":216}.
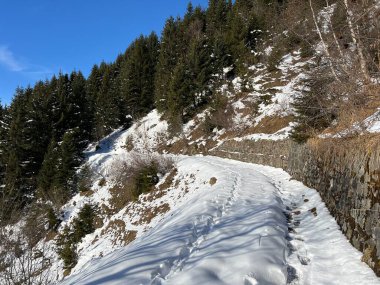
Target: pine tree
{"x":79,"y":109}
{"x":178,"y":97}
{"x":4,"y":130}
{"x":167,"y":61}
{"x":68,"y":159}
{"x":48,"y":171}
{"x":137,"y":75}
{"x":217,"y":17}
{"x":84,"y":223}
{"x":38,"y":126}
{"x":107,"y":111}
{"x":21,"y":162}
{"x":93,"y":83}
{"x":63,"y":90}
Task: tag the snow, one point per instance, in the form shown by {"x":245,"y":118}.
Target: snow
{"x":227,"y":69}
{"x":279,"y":135}
{"x":371,"y":125}
{"x":288,"y":85}
{"x":268,"y":50}
{"x":145,"y":136}
{"x":324,"y":17}
{"x":235,"y":232}
{"x":237,"y":84}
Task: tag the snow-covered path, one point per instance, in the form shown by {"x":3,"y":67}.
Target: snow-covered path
{"x":253,"y":226}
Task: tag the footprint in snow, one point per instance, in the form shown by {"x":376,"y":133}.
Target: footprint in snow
{"x":250,"y":280}
{"x":292,"y":277}
{"x":161,"y":271}
{"x":157,"y":281}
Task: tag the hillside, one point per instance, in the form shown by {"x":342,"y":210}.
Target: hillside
{"x":147,"y":171}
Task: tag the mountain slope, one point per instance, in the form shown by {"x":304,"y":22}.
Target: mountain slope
{"x":242,"y":224}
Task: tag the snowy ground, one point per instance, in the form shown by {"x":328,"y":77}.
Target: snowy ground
{"x":242,"y":224}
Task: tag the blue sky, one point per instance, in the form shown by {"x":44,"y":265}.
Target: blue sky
{"x":42,"y":37}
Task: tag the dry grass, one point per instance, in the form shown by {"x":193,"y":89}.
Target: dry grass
{"x":118,"y":229}
{"x":51,"y":235}
{"x":185,"y":146}
{"x":355,"y":110}
{"x":269,"y":125}
{"x":168,"y":180}
{"x":129,"y":143}
{"x":126,"y":174}
{"x":87,"y":193}
{"x":326,"y":147}
{"x":121,"y":195}
{"x":148,"y":214}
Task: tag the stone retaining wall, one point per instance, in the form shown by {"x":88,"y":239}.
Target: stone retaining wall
{"x":273,"y":153}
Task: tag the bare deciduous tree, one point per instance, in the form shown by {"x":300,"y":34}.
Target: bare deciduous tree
{"x":324,"y":44}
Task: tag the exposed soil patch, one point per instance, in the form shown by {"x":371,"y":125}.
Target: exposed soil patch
{"x":314,"y":211}
{"x":87,"y":193}
{"x":269,"y":125}
{"x":148,"y":214}
{"x":122,"y":236}
{"x":169,"y":180}
{"x":212,"y":181}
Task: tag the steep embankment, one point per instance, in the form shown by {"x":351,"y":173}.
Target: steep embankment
{"x":242,"y":223}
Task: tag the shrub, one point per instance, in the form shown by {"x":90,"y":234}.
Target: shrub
{"x":137,"y":176}
{"x":220,"y":116}
{"x":84,"y":223}
{"x":145,"y":178}
{"x":315,"y":109}
{"x":66,"y":248}
{"x":85,"y":178}
{"x":274,"y":58}
{"x":52,"y":219}
{"x":67,"y":240}
{"x":68,"y":255}
{"x":102,"y":182}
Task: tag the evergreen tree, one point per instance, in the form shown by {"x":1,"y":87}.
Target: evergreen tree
{"x":20,"y":161}
{"x":68,"y":159}
{"x":79,"y":109}
{"x":167,"y":61}
{"x":84,"y":223}
{"x":4,"y":130}
{"x":107,"y":107}
{"x":137,"y":75}
{"x":93,"y":83}
{"x":62,"y":93}
{"x":48,"y":171}
{"x":217,"y":16}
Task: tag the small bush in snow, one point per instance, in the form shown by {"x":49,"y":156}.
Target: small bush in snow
{"x":137,"y":176}
{"x":68,"y":239}
{"x":66,"y":248}
{"x":220,"y":116}
{"x":85,"y":178}
{"x":84,"y":223}
{"x":52,"y":219}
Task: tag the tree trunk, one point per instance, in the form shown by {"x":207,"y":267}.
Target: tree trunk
{"x":325,"y":47}
{"x":356,"y":41}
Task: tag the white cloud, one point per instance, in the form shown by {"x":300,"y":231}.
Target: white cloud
{"x":8,"y":59}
